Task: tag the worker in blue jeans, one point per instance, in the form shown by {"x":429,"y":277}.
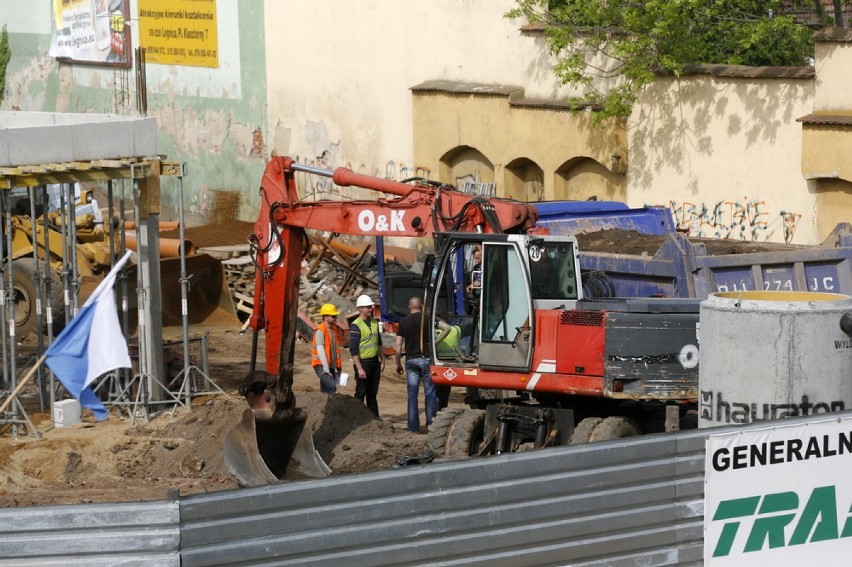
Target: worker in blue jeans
{"x":417,"y":371}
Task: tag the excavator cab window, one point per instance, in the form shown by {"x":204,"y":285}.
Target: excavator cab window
{"x":552,"y":270}
{"x":454,"y":306}
{"x":486,"y":284}
{"x":506,"y":314}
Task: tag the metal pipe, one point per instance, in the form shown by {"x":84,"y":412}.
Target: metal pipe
{"x":48,"y":294}
{"x":72,"y":249}
{"x":125,"y":316}
{"x":504,"y":436}
{"x":66,"y":290}
{"x":39,"y":287}
{"x":4,"y":330}
{"x":140,"y":308}
{"x":184,"y":289}
{"x":10,"y":301}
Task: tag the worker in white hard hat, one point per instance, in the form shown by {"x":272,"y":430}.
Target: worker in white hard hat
{"x":365,"y":345}
{"x":325,"y":349}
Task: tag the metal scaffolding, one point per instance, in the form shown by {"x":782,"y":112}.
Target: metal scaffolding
{"x":147,"y":386}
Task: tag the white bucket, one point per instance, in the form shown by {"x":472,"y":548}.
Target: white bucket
{"x":342,"y":379}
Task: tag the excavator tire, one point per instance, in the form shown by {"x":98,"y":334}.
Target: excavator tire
{"x":26,"y":292}
{"x":441,"y":423}
{"x":614,"y":427}
{"x":584,"y":430}
{"x":466,"y":434}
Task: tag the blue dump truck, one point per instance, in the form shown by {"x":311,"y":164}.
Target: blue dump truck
{"x":638,"y":252}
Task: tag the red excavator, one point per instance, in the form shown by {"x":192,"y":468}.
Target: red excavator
{"x":542,"y":365}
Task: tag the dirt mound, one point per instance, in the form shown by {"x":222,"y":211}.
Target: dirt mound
{"x":180,"y":449}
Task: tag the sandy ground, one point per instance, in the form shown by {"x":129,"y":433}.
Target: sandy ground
{"x":116,"y":461}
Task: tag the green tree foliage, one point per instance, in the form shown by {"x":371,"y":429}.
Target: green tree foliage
{"x":638,"y":39}
{"x":5,"y":55}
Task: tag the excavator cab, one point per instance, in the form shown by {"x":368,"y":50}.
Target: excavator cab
{"x":489,"y":286}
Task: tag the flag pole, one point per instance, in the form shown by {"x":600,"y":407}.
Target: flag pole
{"x":23,"y":383}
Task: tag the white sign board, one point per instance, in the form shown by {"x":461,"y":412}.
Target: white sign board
{"x":779,"y":496}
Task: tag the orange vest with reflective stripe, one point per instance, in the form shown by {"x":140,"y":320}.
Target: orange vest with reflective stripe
{"x":315,"y":361}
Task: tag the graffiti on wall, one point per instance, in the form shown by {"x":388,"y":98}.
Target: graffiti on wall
{"x":402,"y":171}
{"x":741,"y":220}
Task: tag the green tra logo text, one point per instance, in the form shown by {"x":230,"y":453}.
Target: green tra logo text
{"x":818,"y":520}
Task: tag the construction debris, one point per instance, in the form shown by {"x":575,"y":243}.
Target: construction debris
{"x":333,"y":272}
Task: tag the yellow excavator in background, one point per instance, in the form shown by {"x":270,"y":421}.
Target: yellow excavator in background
{"x":209,"y":299}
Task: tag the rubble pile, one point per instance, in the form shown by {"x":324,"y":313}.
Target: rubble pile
{"x":332,"y":272}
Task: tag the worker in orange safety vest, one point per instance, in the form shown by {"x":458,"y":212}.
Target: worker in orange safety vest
{"x":325,"y":350}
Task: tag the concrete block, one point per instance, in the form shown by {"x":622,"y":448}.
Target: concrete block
{"x":145,"y":137}
{"x":34,"y":138}
{"x":66,"y":412}
{"x":31,"y":146}
{"x":4,"y":146}
{"x":100,"y":140}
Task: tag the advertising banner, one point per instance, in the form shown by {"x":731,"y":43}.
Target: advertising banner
{"x":179,"y":32}
{"x":779,"y":496}
{"x":91,"y":31}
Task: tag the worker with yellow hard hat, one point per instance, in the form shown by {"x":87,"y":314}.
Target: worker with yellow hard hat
{"x":325,"y":349}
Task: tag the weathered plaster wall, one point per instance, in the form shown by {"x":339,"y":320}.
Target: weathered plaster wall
{"x":340,"y":73}
{"x":214,"y":120}
{"x":834,"y":201}
{"x":330,"y":84}
{"x":827,"y":152}
{"x":832,"y":76}
{"x":724,"y":154}
{"x":827,"y":133}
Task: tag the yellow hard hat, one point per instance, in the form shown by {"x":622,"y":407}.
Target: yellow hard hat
{"x":329,"y":309}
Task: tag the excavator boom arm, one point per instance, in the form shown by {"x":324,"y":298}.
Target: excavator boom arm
{"x":424,"y":209}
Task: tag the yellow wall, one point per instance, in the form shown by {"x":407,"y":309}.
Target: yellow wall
{"x":826,"y":157}
{"x":531,"y":152}
{"x":832,"y":75}
{"x":834,"y":201}
{"x":827,"y":152}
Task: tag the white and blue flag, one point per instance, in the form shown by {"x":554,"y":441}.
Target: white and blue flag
{"x":90,"y":345}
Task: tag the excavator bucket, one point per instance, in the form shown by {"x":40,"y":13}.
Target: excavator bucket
{"x":209,"y":300}
{"x":265,"y":451}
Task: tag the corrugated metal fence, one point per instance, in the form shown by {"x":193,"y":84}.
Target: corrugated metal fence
{"x":635,"y":502}
{"x":631,"y":502}
{"x":125,"y":535}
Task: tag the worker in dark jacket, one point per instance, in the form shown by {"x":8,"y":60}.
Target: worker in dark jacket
{"x":365,"y":346}
{"x":409,"y":337}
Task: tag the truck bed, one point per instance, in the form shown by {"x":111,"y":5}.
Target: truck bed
{"x":672,"y":265}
